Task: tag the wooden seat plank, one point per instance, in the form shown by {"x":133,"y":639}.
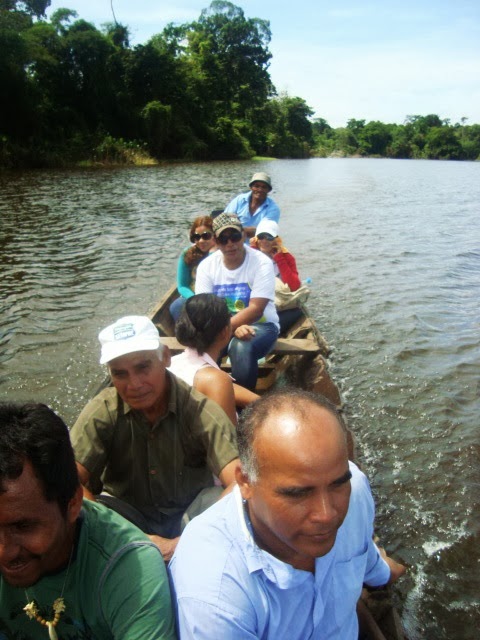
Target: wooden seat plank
{"x":284,"y":346}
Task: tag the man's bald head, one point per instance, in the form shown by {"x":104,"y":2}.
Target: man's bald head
{"x":281,"y":411}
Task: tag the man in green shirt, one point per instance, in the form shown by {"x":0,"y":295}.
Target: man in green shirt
{"x":151,"y":444}
{"x":69,"y":568}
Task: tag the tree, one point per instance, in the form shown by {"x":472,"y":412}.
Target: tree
{"x":288,"y":130}
{"x":443,"y":144}
{"x":374,"y":138}
{"x":118,"y":34}
{"x":320,"y":126}
{"x":470,"y":141}
{"x":400,"y":146}
{"x":61,"y":19}
{"x":35,"y":8}
{"x":228,"y":60}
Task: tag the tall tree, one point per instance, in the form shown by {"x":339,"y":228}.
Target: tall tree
{"x":374,"y":138}
{"x":229,"y":60}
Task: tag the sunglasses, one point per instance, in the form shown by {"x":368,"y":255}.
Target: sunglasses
{"x":265,"y":236}
{"x":235,"y":236}
{"x":206,"y":235}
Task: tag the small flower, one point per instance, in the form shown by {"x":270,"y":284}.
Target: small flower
{"x":31,"y":609}
{"x":59,"y":606}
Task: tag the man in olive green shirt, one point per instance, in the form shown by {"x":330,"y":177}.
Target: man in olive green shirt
{"x":151,"y":443}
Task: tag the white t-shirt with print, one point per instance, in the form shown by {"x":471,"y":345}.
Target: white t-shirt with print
{"x":254,"y":278}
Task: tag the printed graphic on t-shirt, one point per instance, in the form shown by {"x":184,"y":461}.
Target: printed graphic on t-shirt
{"x":237,"y":296}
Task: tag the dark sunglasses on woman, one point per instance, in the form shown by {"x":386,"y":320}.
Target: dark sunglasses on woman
{"x":265,"y":236}
{"x":206,"y":235}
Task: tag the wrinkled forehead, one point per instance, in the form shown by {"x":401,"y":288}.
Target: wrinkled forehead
{"x":137,"y":357}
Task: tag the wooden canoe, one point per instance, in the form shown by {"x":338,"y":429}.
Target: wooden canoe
{"x":300,"y":358}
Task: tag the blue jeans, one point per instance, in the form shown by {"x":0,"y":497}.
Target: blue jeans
{"x":176,"y":307}
{"x":244,"y":354}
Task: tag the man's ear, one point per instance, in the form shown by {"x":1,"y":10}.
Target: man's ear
{"x":243,"y":482}
{"x":75,"y":504}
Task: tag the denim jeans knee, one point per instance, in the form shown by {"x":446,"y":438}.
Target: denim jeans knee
{"x":244,"y":354}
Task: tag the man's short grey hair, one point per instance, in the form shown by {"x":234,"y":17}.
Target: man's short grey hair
{"x":252,"y":419}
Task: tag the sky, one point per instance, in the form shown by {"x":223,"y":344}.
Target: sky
{"x":369,"y":59}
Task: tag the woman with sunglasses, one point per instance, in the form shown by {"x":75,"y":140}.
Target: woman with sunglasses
{"x":204,"y":329}
{"x":203,"y":243}
{"x":269,"y":243}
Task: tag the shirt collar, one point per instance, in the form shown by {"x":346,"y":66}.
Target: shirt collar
{"x":193,"y":355}
{"x":282,"y":574}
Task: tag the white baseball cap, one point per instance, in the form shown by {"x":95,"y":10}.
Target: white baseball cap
{"x":127,"y":335}
{"x":267,"y":226}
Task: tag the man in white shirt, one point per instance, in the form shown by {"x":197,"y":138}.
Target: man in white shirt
{"x":245,"y":278}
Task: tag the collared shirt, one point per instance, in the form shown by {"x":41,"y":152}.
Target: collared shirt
{"x":240,"y":206}
{"x":160,"y":468}
{"x":227,"y":587}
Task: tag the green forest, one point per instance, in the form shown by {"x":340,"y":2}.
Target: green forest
{"x":198,"y":91}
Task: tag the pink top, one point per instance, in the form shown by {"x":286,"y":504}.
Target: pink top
{"x":185,"y":365}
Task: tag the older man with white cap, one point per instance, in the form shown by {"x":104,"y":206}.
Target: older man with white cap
{"x":255,"y":205}
{"x":150,"y":444}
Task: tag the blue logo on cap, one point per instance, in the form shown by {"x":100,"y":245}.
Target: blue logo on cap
{"x":123,"y":332}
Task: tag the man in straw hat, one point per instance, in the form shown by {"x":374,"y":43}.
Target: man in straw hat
{"x":255,"y":205}
{"x":151,"y":445}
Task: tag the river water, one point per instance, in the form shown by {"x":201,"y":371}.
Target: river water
{"x":393,"y":250}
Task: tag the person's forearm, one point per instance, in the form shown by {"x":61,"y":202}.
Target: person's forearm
{"x":184,"y":278}
{"x":167,"y":546}
{"x":246,"y":316}
{"x":288,"y":270}
{"x":185,"y":292}
{"x":87,"y":494}
{"x":243,"y":396}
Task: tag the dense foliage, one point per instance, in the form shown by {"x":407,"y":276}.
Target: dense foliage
{"x":200,"y":90}
{"x":419,"y":137}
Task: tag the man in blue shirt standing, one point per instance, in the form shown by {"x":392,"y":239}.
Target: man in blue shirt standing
{"x":285,"y":555}
{"x":255,"y":205}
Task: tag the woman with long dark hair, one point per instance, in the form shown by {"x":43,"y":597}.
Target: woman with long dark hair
{"x":204,"y":329}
